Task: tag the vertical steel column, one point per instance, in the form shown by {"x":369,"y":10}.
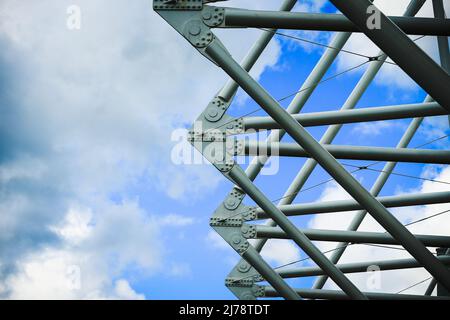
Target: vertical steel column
{"x":401,"y":49}
{"x":326,"y":160}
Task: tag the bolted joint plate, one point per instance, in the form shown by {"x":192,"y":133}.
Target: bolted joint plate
{"x":187,"y":19}
{"x":247,"y":292}
{"x":248,"y":231}
{"x":213,"y":16}
{"x":228,"y":224}
{"x":241,"y":282}
{"x":198,"y":34}
{"x":234,"y":199}
{"x":235,"y":126}
{"x":216,"y":109}
{"x":177,"y":4}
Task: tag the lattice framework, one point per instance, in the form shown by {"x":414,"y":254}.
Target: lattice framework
{"x":215,"y":136}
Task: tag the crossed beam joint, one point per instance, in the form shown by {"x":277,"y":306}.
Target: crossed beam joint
{"x":195,"y":22}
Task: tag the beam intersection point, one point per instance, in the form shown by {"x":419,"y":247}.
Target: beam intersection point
{"x":214,"y":134}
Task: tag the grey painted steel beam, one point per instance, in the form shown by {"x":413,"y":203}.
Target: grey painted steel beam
{"x":330,"y":164}
{"x":230,"y":88}
{"x":296,"y":105}
{"x":242,"y":18}
{"x":357,"y":267}
{"x":362,"y":85}
{"x":302,"y":97}
{"x":444,"y":52}
{"x":351,"y":116}
{"x":284,"y":149}
{"x":403,"y":200}
{"x":350,"y":236}
{"x":401,"y":49}
{"x":339,"y":295}
{"x":299,"y":238}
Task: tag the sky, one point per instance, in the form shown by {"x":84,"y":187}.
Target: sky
{"x":92,"y":205}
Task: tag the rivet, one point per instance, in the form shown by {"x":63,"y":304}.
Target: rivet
{"x":195,"y":30}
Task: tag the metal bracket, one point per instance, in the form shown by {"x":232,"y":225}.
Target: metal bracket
{"x":216,"y":109}
{"x":248,"y":231}
{"x":177,"y":4}
{"x":228,"y":220}
{"x":192,"y":20}
{"x":241,"y":282}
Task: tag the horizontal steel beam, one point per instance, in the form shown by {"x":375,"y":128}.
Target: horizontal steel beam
{"x":256,"y":148}
{"x":349,"y":183}
{"x":242,"y":18}
{"x":382,"y":265}
{"x":403,"y":200}
{"x":350,"y":236}
{"x":339,"y":295}
{"x":351,"y":116}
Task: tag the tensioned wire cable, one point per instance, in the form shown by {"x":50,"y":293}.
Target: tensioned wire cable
{"x":373,"y":58}
{"x":351,"y":244}
{"x":393,"y":173}
{"x":296,"y":92}
{"x":414,"y":285}
{"x":358,"y":168}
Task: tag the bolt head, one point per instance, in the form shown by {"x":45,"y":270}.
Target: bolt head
{"x":212,"y":112}
{"x":207,"y":15}
{"x":194,"y":30}
{"x":244,"y":267}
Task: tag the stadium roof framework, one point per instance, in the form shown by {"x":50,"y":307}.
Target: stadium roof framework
{"x":215,"y":135}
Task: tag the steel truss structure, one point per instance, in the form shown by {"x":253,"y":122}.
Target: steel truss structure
{"x":215,"y":132}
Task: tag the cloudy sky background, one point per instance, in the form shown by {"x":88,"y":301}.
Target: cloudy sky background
{"x":87,"y":186}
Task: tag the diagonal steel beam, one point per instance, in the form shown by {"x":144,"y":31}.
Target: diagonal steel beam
{"x":239,"y":176}
{"x":218,"y":54}
{"x":351,"y":116}
{"x":401,"y":49}
{"x":356,"y":94}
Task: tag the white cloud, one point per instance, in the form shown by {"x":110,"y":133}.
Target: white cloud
{"x":280,"y":252}
{"x":93,"y":254}
{"x":175,"y":220}
{"x":393,"y":281}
